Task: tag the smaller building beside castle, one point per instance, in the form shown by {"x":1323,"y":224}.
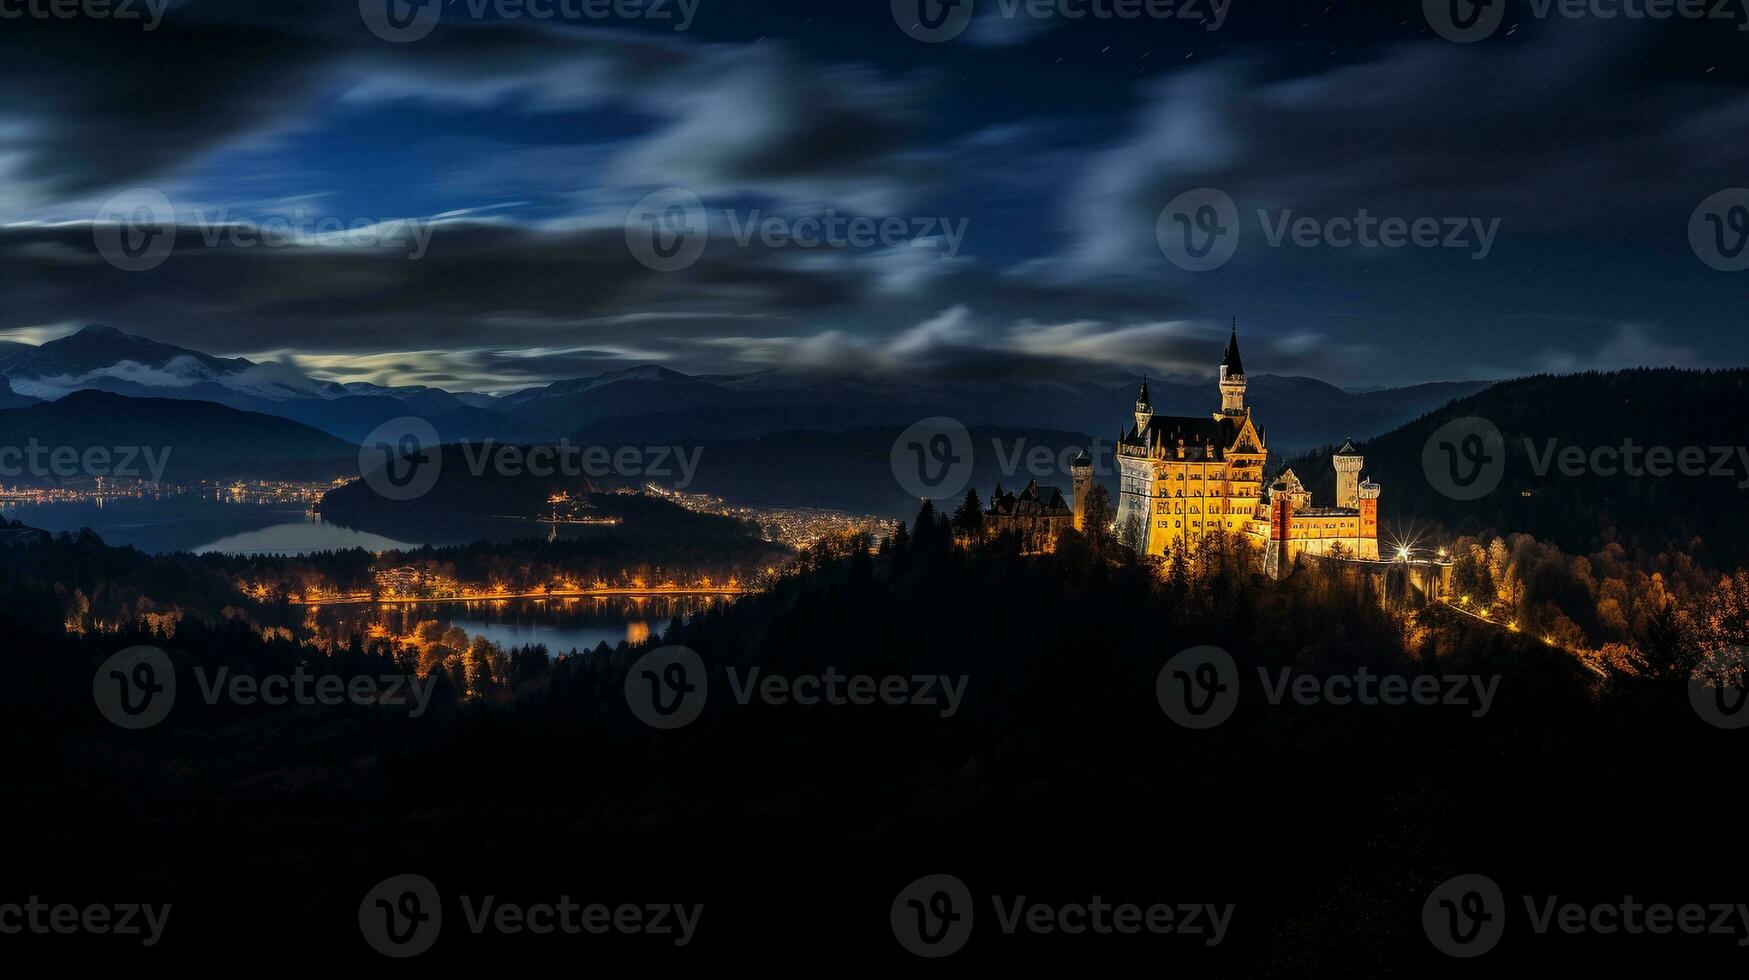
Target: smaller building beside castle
{"x":1349,"y":530}
{"x":1038,"y":514}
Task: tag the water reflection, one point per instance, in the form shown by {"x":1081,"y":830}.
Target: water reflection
{"x":561,"y":624}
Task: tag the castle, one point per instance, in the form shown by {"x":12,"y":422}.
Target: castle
{"x":1182,"y":478}
{"x":1185,"y":477}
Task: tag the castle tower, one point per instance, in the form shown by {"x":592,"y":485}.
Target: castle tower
{"x":1369,"y":520}
{"x":1081,"y":476}
{"x":1232,"y":376}
{"x":1144,"y":413}
{"x":1348,"y":463}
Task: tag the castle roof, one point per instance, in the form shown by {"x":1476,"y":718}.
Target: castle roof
{"x":1196,"y":431}
{"x":1230,"y":360}
{"x":1347,"y":449}
{"x":1034,"y":501}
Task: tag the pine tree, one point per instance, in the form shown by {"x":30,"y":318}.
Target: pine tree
{"x":970,"y":516}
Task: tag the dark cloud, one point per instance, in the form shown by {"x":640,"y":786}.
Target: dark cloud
{"x":1564,"y":132}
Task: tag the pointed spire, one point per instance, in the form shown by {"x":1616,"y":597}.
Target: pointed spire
{"x":1142,"y":396}
{"x":1230,"y":360}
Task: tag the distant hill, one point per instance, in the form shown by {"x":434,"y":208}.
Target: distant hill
{"x":1652,"y":407}
{"x":102,"y":358}
{"x":12,"y":399}
{"x":196,"y":440}
{"x":460,"y":494}
{"x":460,"y":491}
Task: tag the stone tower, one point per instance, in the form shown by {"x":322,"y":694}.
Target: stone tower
{"x":1369,"y":521}
{"x":1081,"y":475}
{"x":1348,"y":464}
{"x":1232,"y":377}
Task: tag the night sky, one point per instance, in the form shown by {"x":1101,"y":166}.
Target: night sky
{"x":523,"y":145}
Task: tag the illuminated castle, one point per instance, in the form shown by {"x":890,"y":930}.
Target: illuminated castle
{"x":1185,"y":477}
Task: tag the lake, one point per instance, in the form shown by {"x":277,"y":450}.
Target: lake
{"x":201,"y":523}
{"x":561,"y":624}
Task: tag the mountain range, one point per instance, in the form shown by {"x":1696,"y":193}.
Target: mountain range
{"x":651,"y":404}
{"x":173,"y":440}
{"x":1576,"y":467}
